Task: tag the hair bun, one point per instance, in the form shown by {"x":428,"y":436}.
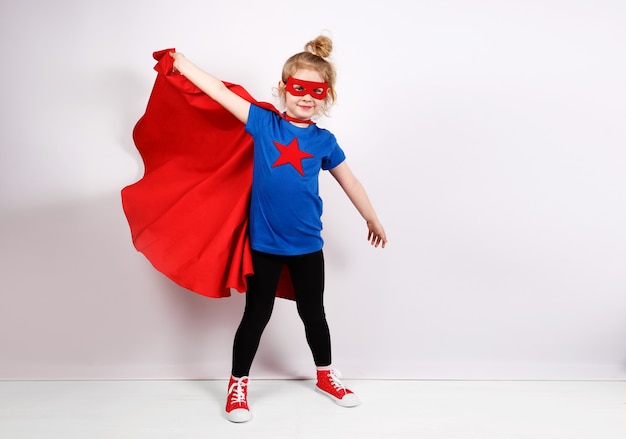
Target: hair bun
{"x":321,"y":46}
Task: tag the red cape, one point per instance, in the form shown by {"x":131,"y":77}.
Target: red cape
{"x":188,"y":214}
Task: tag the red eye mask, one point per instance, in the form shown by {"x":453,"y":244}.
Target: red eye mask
{"x":299,"y":87}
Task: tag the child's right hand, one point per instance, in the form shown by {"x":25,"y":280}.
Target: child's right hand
{"x":178,"y":57}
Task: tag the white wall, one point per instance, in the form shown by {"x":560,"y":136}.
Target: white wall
{"x":489,"y":134}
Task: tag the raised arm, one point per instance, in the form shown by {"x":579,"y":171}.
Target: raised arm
{"x":356,"y":193}
{"x":212,"y":86}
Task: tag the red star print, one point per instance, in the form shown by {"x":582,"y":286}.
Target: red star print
{"x":291,"y":154}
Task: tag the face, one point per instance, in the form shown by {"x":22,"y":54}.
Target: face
{"x":307,"y":105}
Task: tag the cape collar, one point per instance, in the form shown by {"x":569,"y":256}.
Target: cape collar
{"x":293,"y":119}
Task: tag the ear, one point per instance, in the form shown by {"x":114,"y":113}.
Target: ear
{"x":281,"y":85}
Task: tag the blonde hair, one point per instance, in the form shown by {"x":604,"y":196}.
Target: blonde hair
{"x":313,"y":58}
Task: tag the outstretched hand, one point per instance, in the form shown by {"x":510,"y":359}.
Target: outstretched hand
{"x":178,"y":57}
{"x":376,"y":234}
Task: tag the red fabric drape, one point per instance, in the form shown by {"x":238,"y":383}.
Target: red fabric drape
{"x":188,"y":214}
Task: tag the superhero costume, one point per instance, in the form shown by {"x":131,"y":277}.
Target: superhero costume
{"x":300,"y":87}
{"x":188,"y":214}
{"x":286,"y":209}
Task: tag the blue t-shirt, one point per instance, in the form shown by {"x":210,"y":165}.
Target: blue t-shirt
{"x":285,"y":206}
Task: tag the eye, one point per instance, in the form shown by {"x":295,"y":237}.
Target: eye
{"x":297,"y":87}
{"x":318,"y":91}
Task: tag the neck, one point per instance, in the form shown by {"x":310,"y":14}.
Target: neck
{"x":296,"y":120}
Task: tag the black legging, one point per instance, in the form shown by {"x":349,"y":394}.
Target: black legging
{"x":307,"y":274}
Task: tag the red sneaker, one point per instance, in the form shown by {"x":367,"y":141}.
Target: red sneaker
{"x":237,"y":403}
{"x":328,"y":384}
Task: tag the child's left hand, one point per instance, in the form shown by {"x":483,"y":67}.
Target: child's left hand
{"x":376,"y":234}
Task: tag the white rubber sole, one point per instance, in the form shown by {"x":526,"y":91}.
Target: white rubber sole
{"x":239,"y":415}
{"x":349,"y":400}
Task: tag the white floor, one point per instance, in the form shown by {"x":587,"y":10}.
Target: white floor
{"x":291,"y":409}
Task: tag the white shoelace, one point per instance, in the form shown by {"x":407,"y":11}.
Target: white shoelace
{"x":334,"y":376}
{"x":237,"y":391}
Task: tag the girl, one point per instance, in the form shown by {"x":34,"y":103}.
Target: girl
{"x":285,"y":210}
